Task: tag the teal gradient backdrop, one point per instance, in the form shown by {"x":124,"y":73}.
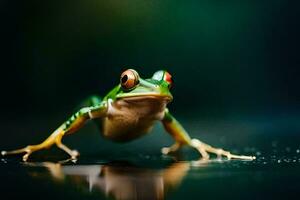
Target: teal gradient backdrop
{"x":236,"y":70}
{"x":227,"y":57}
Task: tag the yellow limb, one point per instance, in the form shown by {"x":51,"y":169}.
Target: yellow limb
{"x":74,"y":123}
{"x":181,"y":137}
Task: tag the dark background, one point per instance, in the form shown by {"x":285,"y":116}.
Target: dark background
{"x":236,"y":70}
{"x":226,"y":57}
{"x":235,"y":66}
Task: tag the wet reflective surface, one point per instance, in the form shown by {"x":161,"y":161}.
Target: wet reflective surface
{"x":161,"y":178}
{"x":139,"y":171}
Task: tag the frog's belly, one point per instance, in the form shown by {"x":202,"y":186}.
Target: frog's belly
{"x":128,"y":119}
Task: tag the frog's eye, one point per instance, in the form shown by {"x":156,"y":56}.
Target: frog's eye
{"x":163,"y":75}
{"x":129,"y":79}
{"x":168,"y":79}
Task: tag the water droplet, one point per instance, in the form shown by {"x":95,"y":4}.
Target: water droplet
{"x":279,"y":161}
{"x":258,"y":153}
{"x":298,"y":151}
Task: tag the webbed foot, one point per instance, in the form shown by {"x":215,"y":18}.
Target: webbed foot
{"x":53,"y":139}
{"x":204,"y":149}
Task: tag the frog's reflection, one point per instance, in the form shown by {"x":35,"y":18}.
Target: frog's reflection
{"x":122,"y":181}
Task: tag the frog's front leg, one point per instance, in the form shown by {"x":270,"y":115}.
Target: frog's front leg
{"x":74,"y":123}
{"x":181,"y":137}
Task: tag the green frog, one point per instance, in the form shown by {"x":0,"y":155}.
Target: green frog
{"x":128,"y":112}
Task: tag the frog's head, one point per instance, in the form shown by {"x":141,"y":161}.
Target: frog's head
{"x":158,"y":86}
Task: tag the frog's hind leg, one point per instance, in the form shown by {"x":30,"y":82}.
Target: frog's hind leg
{"x":74,"y":123}
{"x":182,"y":138}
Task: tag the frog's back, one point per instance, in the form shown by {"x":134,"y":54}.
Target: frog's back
{"x":130,"y":118}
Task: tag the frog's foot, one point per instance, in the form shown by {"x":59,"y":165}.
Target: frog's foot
{"x":171,"y":149}
{"x":204,"y":149}
{"x":53,"y":139}
{"x":27,"y":151}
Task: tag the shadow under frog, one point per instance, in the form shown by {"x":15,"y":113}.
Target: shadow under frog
{"x":120,"y":181}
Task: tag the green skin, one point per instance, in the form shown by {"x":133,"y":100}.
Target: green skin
{"x":127,"y":114}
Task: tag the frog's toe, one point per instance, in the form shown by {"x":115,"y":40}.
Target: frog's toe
{"x":74,"y":154}
{"x":165,"y":150}
{"x":3,"y":153}
{"x":26,"y":156}
{"x":175,"y":147}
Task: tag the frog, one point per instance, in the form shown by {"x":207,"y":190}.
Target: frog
{"x":128,"y":112}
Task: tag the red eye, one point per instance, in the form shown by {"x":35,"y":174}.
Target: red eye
{"x":168,"y":78}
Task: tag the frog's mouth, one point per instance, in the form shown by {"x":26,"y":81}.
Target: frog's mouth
{"x":144,"y":96}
